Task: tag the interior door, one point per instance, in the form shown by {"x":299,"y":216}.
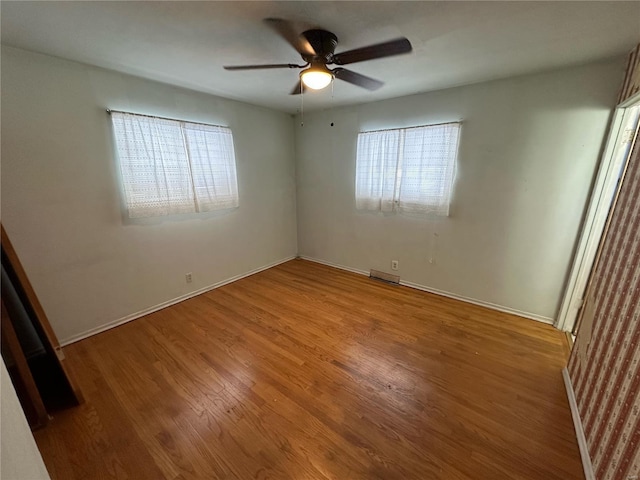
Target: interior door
{"x":623,"y":132}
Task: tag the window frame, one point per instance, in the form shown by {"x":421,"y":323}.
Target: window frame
{"x":197,"y":157}
{"x":380,"y":174}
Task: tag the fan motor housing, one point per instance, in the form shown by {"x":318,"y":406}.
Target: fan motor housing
{"x":323,"y":42}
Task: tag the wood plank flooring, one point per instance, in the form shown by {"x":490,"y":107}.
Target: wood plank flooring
{"x":307,"y":372}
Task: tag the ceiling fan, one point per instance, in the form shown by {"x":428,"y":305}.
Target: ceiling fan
{"x":317,"y":47}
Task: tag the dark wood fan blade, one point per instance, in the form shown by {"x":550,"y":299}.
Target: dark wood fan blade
{"x":357,"y":79}
{"x":297,"y":89}
{"x":380,"y":50}
{"x":258,"y":67}
{"x":287,"y":31}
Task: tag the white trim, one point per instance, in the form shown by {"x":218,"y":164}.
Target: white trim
{"x":577,"y":423}
{"x":631,"y":101}
{"x":168,"y":303}
{"x":481,"y":303}
{"x":598,"y":211}
{"x":335,"y":265}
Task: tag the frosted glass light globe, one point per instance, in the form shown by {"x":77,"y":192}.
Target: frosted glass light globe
{"x":316,"y":79}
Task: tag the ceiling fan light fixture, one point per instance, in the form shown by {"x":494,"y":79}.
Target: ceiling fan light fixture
{"x":317,"y":49}
{"x":316,"y":77}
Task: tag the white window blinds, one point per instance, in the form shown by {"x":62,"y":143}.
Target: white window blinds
{"x":407,"y":170}
{"x":171,"y":167}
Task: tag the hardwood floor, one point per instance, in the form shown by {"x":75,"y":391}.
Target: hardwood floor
{"x":307,"y":372}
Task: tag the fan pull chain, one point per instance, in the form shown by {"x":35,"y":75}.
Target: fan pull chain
{"x":301,"y":105}
{"x":333,"y":80}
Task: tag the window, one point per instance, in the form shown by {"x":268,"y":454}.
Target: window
{"x":407,"y":170}
{"x":170,"y":167}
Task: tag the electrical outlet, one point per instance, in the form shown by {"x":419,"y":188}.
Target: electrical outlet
{"x":188,"y":278}
{"x":394,"y":264}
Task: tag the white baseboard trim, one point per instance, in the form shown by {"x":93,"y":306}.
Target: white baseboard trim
{"x":577,"y":423}
{"x":481,"y":303}
{"x":335,"y":265}
{"x":168,"y":303}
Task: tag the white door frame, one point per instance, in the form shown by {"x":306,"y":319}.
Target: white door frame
{"x":602,"y":195}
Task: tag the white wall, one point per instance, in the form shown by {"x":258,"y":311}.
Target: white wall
{"x":528,"y":152}
{"x":20,"y":458}
{"x":61,"y":202}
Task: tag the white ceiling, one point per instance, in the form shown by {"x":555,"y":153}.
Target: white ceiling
{"x":454,"y":43}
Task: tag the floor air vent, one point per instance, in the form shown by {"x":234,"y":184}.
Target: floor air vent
{"x":385,"y":277}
